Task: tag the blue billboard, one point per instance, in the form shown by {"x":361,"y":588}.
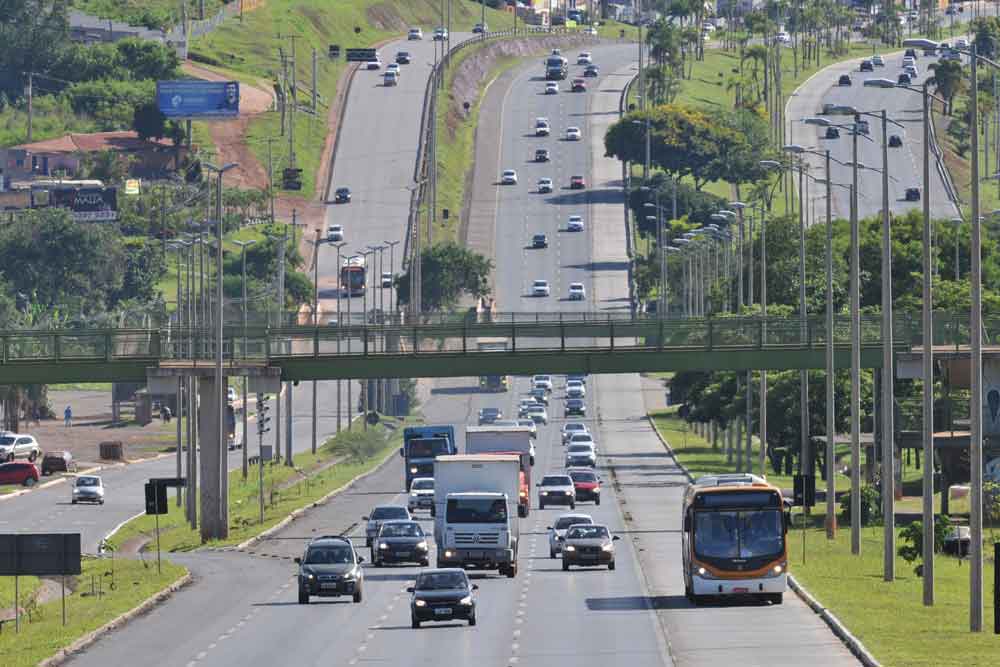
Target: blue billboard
{"x":196,"y":99}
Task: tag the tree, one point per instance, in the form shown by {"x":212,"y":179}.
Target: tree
{"x":149,"y":122}
{"x":109,"y":166}
{"x":948,"y":81}
{"x":146,"y":59}
{"x":448,"y":271}
{"x":32,"y":34}
{"x":144,"y":267}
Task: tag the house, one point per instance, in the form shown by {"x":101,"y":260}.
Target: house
{"x":63,"y":155}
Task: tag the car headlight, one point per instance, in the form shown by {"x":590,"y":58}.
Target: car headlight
{"x":350,"y":576}
{"x":544,"y":493}
{"x":422,"y":546}
{"x":705,"y":574}
{"x":309,"y":575}
{"x":383,"y":545}
{"x":413,"y":470}
{"x":608,"y":547}
{"x":467,"y":600}
{"x":570,"y":547}
{"x":419,"y":603}
{"x":413,"y":494}
{"x":449,"y":554}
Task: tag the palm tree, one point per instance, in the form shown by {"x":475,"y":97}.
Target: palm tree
{"x":948,"y":81}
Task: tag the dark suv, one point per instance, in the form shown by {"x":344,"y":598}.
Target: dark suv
{"x":57,"y":462}
{"x":330,"y":568}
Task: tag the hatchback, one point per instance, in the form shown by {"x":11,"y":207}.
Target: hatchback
{"x":19,"y":473}
{"x":442,"y":595}
{"x":57,"y":462}
{"x":88,"y":489}
{"x":540,"y":288}
{"x":577,"y":183}
{"x":574,"y":224}
{"x":539,"y":241}
{"x":342,"y":196}
{"x":588,"y":545}
{"x":844,"y":80}
{"x":509,"y":177}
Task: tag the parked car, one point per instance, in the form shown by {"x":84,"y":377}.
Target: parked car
{"x":19,"y":473}
{"x":18,"y":446}
{"x":88,"y":489}
{"x":57,"y":462}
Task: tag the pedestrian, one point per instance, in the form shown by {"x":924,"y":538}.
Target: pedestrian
{"x":36,"y":416}
{"x":68,"y":416}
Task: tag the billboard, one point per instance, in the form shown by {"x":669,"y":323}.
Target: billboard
{"x":87,"y":204}
{"x":193,"y":98}
{"x":39,"y":554}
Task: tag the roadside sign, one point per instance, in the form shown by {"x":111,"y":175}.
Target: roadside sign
{"x":132,"y":186}
{"x":804,"y":490}
{"x":156,"y":498}
{"x":87,"y":204}
{"x":361,"y":55}
{"x":334,"y":50}
{"x":199,"y":100}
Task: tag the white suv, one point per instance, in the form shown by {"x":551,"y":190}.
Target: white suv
{"x":542,"y":379}
{"x":18,"y":446}
{"x":538,"y":414}
{"x":556,"y":490}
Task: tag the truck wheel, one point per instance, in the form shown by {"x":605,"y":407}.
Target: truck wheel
{"x":33,"y":455}
{"x":303,"y":597}
{"x":357,"y":595}
{"x":522,"y":511}
{"x":414,"y":623}
{"x":541,"y":505}
{"x":511,"y":571}
{"x":775,"y":598}
{"x":565,"y":566}
{"x":425,"y":563}
{"x":552,"y":553}
{"x":611,"y":565}
{"x":572,"y":506}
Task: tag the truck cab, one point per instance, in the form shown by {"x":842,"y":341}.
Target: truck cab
{"x":421,"y":445}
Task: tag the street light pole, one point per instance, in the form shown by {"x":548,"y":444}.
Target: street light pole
{"x":928,"y":368}
{"x":340,"y":293}
{"x":243,"y":289}
{"x":315,"y":426}
{"x":855,"y":307}
{"x":831,"y":484}
{"x":888,"y":400}
{"x":805,"y":445}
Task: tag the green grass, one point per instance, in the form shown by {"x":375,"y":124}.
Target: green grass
{"x":135,"y":581}
{"x":309,"y":138}
{"x":156,"y":13}
{"x":51,"y":119}
{"x":175,"y":535}
{"x":27,"y":585}
{"x":889,"y":618}
{"x":81,"y":386}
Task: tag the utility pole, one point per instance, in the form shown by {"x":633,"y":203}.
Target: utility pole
{"x":291,"y":114}
{"x":315,"y":308}
{"x":281,"y":322}
{"x":282,"y":97}
{"x":315,"y":106}
{"x":270,"y":173}
{"x":31,"y":105}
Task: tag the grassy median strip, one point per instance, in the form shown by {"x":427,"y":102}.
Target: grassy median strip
{"x":286,"y":489}
{"x":92,"y":599}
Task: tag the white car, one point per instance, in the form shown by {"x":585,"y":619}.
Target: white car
{"x":542,"y":379}
{"x":543,"y":386}
{"x":538,"y":414}
{"x":335,"y":233}
{"x":577,"y":292}
{"x":421,"y":494}
{"x":540,"y":288}
{"x":570,"y":429}
{"x":545,"y":185}
{"x":230,"y":395}
{"x":556,"y":490}
{"x":18,"y":446}
{"x":584,"y":438}
{"x":526,"y":403}
{"x":575,"y":389}
{"x":374,"y":64}
{"x":559,"y":528}
{"x":393,"y":67}
{"x":584,"y":58}
{"x":961,"y":43}
{"x":415,"y":33}
{"x":508,"y":177}
{"x":573,"y":134}
{"x":551,"y":88}
{"x":878,"y":61}
{"x":575,"y":223}
{"x":783,"y":38}
{"x":542,"y":127}
{"x":440,"y":34}
{"x":580,"y":454}
{"x":912,"y":71}
{"x":88,"y":489}
{"x":386,"y":279}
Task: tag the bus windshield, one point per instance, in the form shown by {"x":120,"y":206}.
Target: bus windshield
{"x":735,"y":534}
{"x":426,"y":448}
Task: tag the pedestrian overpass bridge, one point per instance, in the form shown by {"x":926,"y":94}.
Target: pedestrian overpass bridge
{"x":447,"y":345}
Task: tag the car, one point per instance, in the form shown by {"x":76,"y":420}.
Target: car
{"x":878,"y":61}
{"x":330,"y":567}
{"x":400,"y":542}
{"x":577,"y":292}
{"x":480,"y":28}
{"x":421,"y":494}
{"x":844,"y":80}
{"x":580,"y":454}
{"x":522,"y":409}
{"x":951,"y":11}
{"x":541,"y":396}
{"x":575,"y":406}
{"x":387,"y":279}
{"x":961,"y":43}
{"x":18,"y":446}
{"x":335,"y":233}
{"x":390,"y":79}
{"x":582,"y":439}
{"x":342,"y":196}
{"x":895,"y":141}
{"x":577,"y":183}
{"x":508,"y":177}
{"x":909,"y":60}
{"x":539,"y":241}
{"x":903,"y":80}
{"x":440,"y":34}
{"x":574,"y":223}
{"x":570,"y":428}
{"x":551,"y":88}
{"x":541,"y":385}
{"x":383,"y":513}
{"x":88,"y":489}
{"x":558,"y":529}
{"x":414,"y":34}
{"x":573,"y":134}
{"x":588,"y":545}
{"x":19,"y":473}
{"x":930,"y":52}
{"x":556,"y":490}
{"x":542,"y":127}
{"x":531,"y":426}
{"x":57,"y":462}
{"x":579,"y":86}
{"x":867,"y":66}
{"x":910,"y":53}
{"x":783,"y":38}
{"x":545,"y":380}
{"x":582,"y":377}
{"x":230,"y":395}
{"x":586,"y":484}
{"x":576,"y":388}
{"x":832,"y":133}
{"x":584,"y":58}
{"x":863,"y":127}
{"x":545,"y":185}
{"x":540,"y":288}
{"x":912,"y":194}
{"x":542,"y":155}
{"x":374,"y":64}
{"x":538,"y":414}
{"x":403,"y":57}
{"x":393,"y":67}
{"x":443,"y":594}
{"x":912,"y":71}
{"x":489,"y":415}
{"x":591,"y":70}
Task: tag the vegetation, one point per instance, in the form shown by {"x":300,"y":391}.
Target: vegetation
{"x":153,"y":14}
{"x":448,"y":272}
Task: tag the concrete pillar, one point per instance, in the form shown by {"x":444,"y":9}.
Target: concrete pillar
{"x":213,"y":469}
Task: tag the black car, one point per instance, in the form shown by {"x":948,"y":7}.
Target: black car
{"x":844,"y":80}
{"x":832,"y":133}
{"x":903,"y":80}
{"x":867,"y":66}
{"x":895,"y":141}
{"x":912,"y":194}
{"x":400,"y":542}
{"x":591,"y":70}
{"x":330,"y":568}
{"x":539,"y":241}
{"x":403,"y":58}
{"x":57,"y":462}
{"x":442,"y":595}
{"x":575,"y":406}
{"x":342,"y":196}
{"x":910,"y":53}
{"x":541,"y":155}
{"x":489,"y":415}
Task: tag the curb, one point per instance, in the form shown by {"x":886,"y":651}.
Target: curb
{"x":670,"y":450}
{"x":850,"y":641}
{"x":88,"y":471}
{"x":63,"y":654}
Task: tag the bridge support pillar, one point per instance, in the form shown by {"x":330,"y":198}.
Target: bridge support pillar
{"x":214,"y":471}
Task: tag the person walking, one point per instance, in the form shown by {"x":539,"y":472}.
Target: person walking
{"x":68,"y":416}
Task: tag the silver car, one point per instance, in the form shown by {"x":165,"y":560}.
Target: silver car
{"x":559,"y":528}
{"x":581,"y":454}
{"x":538,"y":414}
{"x":588,"y":546}
{"x":421,"y":494}
{"x":571,"y":428}
{"x":380,"y":514}
{"x":18,"y":446}
{"x":88,"y":489}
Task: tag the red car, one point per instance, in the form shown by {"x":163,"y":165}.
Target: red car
{"x":586,"y":483}
{"x":19,"y":473}
{"x":579,"y":86}
{"x":577,"y":183}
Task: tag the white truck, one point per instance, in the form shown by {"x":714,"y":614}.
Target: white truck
{"x":505,"y":440}
{"x":475,"y":515}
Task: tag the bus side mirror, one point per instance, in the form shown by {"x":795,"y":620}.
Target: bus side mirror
{"x":687,"y":524}
{"x":401,"y":451}
{"x":788,"y":521}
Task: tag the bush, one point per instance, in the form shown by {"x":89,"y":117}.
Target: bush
{"x":912,"y":537}
{"x":871,"y":506}
{"x":358,"y":445}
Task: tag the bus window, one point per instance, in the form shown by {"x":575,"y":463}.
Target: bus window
{"x":752,"y":534}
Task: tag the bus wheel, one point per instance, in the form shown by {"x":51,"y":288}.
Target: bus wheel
{"x":775,"y":598}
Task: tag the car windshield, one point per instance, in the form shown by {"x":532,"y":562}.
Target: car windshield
{"x":565,"y":522}
{"x":580,"y":449}
{"x":436,"y":581}
{"x":329,"y":555}
{"x":423,"y":485}
{"x":88,"y":481}
{"x":401,"y":530}
{"x":556,"y":480}
{"x":476,"y":510}
{"x":586,"y":533}
{"x":388,"y":513}
{"x":733,"y":534}
{"x":580,"y":437}
{"x":575,"y":426}
{"x":583,"y":476}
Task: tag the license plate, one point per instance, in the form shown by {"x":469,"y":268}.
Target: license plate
{"x":443,"y":611}
{"x":402,"y":554}
{"x":588,"y":556}
{"x":741,"y":589}
{"x":328,"y":587}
